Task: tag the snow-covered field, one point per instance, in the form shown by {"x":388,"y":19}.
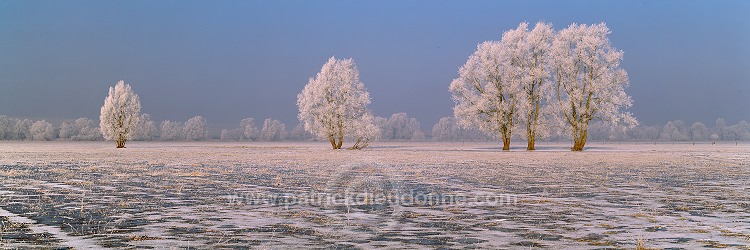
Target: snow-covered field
{"x":399,"y":195}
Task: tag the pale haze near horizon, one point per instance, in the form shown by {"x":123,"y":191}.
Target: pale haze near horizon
{"x":228,"y":60}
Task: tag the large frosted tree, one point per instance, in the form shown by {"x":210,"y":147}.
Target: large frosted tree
{"x":119,"y":114}
{"x":486,"y":92}
{"x":589,"y":81}
{"x":333,"y":105}
{"x":528,"y":53}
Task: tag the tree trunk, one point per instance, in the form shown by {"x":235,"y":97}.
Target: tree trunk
{"x":120,"y":143}
{"x":333,"y":141}
{"x":506,"y":143}
{"x":531,"y":127}
{"x":530,"y":137}
{"x":579,"y":140}
{"x":341,"y":141}
{"x":530,"y":145}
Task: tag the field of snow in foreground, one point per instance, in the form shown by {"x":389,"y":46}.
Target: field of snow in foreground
{"x":395,"y":195}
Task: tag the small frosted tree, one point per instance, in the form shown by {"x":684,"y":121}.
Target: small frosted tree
{"x":400,"y":127}
{"x":195,"y":129}
{"x":698,"y":131}
{"x":444,"y":130}
{"x":230,"y":135}
{"x":333,"y":105}
{"x":146,"y":129}
{"x":486,"y":94}
{"x":42,"y":131}
{"x":364,"y":131}
{"x":171,"y":131}
{"x":6,"y":127}
{"x":720,"y":128}
{"x":87,"y":130}
{"x":273,"y":130}
{"x":248,"y":129}
{"x":119,"y":114}
{"x":22,"y":129}
{"x":589,"y":81}
{"x":300,"y":134}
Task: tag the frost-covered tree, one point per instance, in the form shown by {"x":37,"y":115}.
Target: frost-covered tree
{"x":300,"y":134}
{"x":528,"y":53}
{"x":22,"y":129}
{"x":171,"y":131}
{"x":674,"y":131}
{"x":698,"y":132}
{"x":68,"y":129}
{"x":81,"y":129}
{"x":737,"y":132}
{"x":146,"y":129}
{"x":720,"y":128}
{"x":195,"y":129}
{"x":42,"y":131}
{"x":598,"y":131}
{"x":230,"y":135}
{"x":399,"y":127}
{"x":119,"y":114}
{"x":444,"y":130}
{"x":7,"y":125}
{"x":333,"y":105}
{"x":486,"y":94}
{"x":447,"y":129}
{"x":363,"y":131}
{"x":273,"y":130}
{"x":589,"y":81}
{"x":86,"y":130}
{"x":248,"y":129}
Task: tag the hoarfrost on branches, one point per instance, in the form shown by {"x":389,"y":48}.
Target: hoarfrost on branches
{"x":333,"y":105}
{"x":119,"y":114}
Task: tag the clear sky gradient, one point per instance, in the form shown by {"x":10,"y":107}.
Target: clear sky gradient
{"x":227,"y":60}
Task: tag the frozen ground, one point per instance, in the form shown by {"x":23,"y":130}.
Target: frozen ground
{"x":393,"y":195}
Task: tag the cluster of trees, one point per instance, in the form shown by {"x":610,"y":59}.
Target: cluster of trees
{"x":82,"y":129}
{"x":541,"y":81}
{"x":272,"y":130}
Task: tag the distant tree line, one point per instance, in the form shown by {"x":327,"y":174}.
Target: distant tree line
{"x":399,"y":127}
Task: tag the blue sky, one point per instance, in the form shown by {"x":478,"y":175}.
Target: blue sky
{"x":227,"y":60}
